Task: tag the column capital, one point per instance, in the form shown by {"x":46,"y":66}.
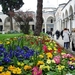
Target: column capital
{"x":70,"y":17}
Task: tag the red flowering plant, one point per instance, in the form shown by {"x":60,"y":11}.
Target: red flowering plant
{"x":34,"y":55}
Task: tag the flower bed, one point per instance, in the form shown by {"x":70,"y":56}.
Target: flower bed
{"x":32,"y":55}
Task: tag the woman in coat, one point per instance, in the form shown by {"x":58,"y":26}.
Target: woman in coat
{"x":66,"y":39}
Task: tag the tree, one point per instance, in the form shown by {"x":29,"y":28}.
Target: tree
{"x":22,"y":19}
{"x":8,"y":7}
{"x":39,"y":19}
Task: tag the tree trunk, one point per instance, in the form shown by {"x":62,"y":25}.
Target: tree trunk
{"x":11,"y":14}
{"x":11,"y":24}
{"x":39,"y":22}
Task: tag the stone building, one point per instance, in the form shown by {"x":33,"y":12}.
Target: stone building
{"x":5,"y":23}
{"x":65,"y":16}
{"x":49,"y":18}
{"x":53,"y":18}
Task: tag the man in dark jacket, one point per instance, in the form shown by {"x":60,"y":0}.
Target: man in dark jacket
{"x":73,"y":42}
{"x":57,"y":34}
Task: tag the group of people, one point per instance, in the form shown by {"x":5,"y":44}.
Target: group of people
{"x":66,"y":37}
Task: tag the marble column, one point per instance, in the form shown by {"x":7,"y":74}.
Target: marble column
{"x":65,"y":23}
{"x":73,"y":21}
{"x":45,"y":28}
{"x":70,"y":26}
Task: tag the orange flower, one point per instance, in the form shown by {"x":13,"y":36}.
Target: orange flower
{"x":27,"y":67}
{"x":1,"y":68}
{"x":49,"y":55}
{"x":11,"y":67}
{"x":40,"y":63}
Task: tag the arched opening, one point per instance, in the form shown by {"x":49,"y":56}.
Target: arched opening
{"x":71,"y":18}
{"x":70,"y":11}
{"x":7,"y":24}
{"x":66,"y":14}
{"x":67,"y":19}
{"x":50,"y":24}
{"x":31,"y":23}
{"x":63,"y":22}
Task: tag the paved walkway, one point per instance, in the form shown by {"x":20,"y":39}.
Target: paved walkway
{"x":61,"y":42}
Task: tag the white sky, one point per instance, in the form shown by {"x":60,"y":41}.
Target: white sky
{"x":32,"y":4}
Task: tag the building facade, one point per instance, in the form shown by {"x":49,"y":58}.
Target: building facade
{"x":53,"y":18}
{"x":67,"y":16}
{"x":5,"y":23}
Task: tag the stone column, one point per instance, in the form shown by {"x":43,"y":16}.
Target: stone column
{"x":65,"y":23}
{"x":60,"y":24}
{"x":74,"y":21}
{"x":70,"y":24}
{"x":45,"y":27}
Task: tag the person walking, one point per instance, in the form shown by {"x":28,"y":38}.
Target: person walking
{"x":66,"y":39}
{"x":73,"y":43}
{"x":69,"y":38}
{"x":57,"y":34}
{"x":61,"y":34}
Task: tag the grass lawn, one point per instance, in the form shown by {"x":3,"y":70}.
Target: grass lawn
{"x":5,"y":36}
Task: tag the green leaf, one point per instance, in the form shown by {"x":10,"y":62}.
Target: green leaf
{"x":26,"y":61}
{"x":50,"y":73}
{"x":15,"y":61}
{"x":30,"y":64}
